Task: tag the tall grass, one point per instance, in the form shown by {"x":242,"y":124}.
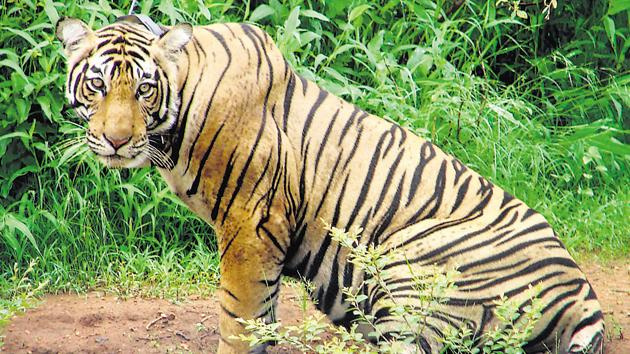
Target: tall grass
{"x":536,"y":105}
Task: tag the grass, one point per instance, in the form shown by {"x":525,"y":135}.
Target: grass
{"x":538,"y":106}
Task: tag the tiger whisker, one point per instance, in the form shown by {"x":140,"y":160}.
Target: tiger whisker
{"x":158,"y":157}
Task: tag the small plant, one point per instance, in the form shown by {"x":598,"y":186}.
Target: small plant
{"x":614,"y":330}
{"x":431,"y":286}
{"x":19,"y":292}
{"x":508,"y":336}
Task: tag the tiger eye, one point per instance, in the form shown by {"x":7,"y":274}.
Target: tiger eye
{"x":97,"y":83}
{"x":144,"y":88}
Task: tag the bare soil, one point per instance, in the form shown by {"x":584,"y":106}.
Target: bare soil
{"x":98,"y":323}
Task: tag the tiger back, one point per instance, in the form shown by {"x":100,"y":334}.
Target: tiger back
{"x":264,"y":155}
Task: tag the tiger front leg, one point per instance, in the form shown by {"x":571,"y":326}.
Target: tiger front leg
{"x":250,"y":283}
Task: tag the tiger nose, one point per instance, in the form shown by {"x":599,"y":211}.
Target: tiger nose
{"x":117,"y":142}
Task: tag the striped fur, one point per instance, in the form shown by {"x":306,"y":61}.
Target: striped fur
{"x":264,"y":155}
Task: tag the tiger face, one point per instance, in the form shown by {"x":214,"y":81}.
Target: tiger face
{"x":122,"y":87}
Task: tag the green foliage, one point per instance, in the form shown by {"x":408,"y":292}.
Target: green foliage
{"x":538,"y":104}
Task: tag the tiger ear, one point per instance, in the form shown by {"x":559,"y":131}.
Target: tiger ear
{"x":173,"y":41}
{"x":74,"y":34}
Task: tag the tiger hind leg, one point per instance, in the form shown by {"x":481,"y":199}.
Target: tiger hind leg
{"x":588,"y":335}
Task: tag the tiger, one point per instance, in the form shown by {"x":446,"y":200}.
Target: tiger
{"x":264,"y":155}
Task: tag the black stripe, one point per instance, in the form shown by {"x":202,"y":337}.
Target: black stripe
{"x":271,"y":237}
{"x":324,"y":141}
{"x":216,"y":87}
{"x":249,"y":32}
{"x":111,"y":51}
{"x":562,"y":295}
{"x":355,"y":146}
{"x":484,"y":202}
{"x":502,"y":216}
{"x":223,"y":186}
{"x":528,"y":214}
{"x":532,"y":268}
{"x":531,"y":229}
{"x":304,"y":83}
{"x":319,"y":257}
{"x":502,"y":268}
{"x":273,"y":282}
{"x":471,"y":301}
{"x":589,"y":321}
{"x":475,"y":247}
{"x":461,"y":193}
{"x":499,"y":256}
{"x":349,"y":122}
{"x":183,"y":117}
{"x":551,"y":327}
{"x":365,"y":186}
{"x":333,"y":286}
{"x":328,"y":187}
{"x":228,"y":312}
{"x":309,"y":118}
{"x":136,"y":55}
{"x":260,"y":178}
{"x":269,"y":299}
{"x":288,"y":98}
{"x":509,"y":223}
{"x":507,"y":197}
{"x":389,"y":215}
{"x":198,"y":47}
{"x":392,"y":138}
{"x":230,"y":293}
{"x":229,"y":244}
{"x":427,"y":153}
{"x":459,"y":169}
{"x":436,"y":198}
{"x":202,"y":164}
{"x":441,"y":249}
{"x":388,"y":180}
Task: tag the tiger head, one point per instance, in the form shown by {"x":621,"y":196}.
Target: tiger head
{"x":122,"y":80}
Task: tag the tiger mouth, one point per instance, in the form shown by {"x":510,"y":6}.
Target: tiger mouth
{"x":114,"y":160}
{"x":118,"y":161}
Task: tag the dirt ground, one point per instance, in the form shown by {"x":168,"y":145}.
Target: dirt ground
{"x":97,"y":323}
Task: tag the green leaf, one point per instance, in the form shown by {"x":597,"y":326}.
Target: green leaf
{"x":51,"y":11}
{"x":292,"y":22}
{"x":617,"y":6}
{"x":12,"y":62}
{"x":609,"y":25}
{"x":22,"y":34}
{"x":44,"y":103}
{"x":315,"y":14}
{"x":358,"y":11}
{"x":72,"y":152}
{"x":23,"y":108}
{"x":308,"y":36}
{"x":166,"y":7}
{"x":204,"y":10}
{"x":14,"y":223}
{"x":15,"y":135}
{"x":8,"y":184}
{"x":261,"y":12}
